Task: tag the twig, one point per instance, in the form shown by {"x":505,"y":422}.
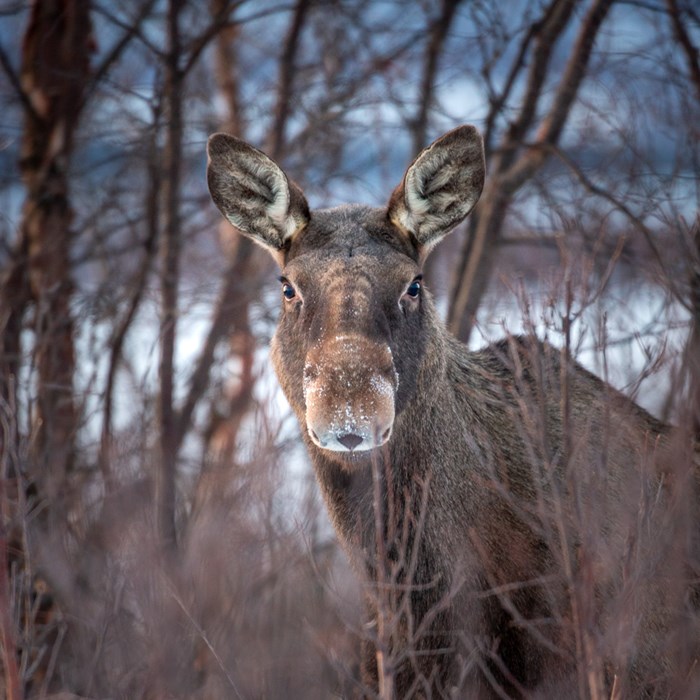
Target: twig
{"x":206,"y":640}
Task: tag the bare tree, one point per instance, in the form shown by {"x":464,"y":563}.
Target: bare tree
{"x":135,"y":402}
{"x":517,"y":159}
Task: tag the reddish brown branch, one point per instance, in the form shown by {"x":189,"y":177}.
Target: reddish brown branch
{"x":287,"y":71}
{"x":438,"y":35}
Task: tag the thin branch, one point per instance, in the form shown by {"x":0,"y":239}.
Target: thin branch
{"x":17,"y":86}
{"x":115,"y":53}
{"x":350,"y":88}
{"x":135,"y":29}
{"x":553,"y":123}
{"x":227,"y":74}
{"x":224,"y":318}
{"x":203,"y":636}
{"x":287,"y":69}
{"x":8,"y":642}
{"x":547,"y":31}
{"x":117,"y":344}
{"x":476,"y":262}
{"x":222,"y":22}
{"x":219,"y":23}
{"x":621,"y":206}
{"x":499,"y":101}
{"x":692,"y":358}
{"x":683,"y":38}
{"x":438,"y":35}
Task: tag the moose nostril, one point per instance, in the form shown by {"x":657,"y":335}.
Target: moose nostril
{"x":316,"y":438}
{"x":386,"y":434}
{"x":350,"y":440}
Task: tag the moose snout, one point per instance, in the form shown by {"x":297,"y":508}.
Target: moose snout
{"x":349,"y":387}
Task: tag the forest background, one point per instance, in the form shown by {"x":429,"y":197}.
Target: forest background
{"x":161,"y":532}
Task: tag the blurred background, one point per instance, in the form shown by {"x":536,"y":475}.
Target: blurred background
{"x":161,"y":531}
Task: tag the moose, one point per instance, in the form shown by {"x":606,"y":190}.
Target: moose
{"x":518,"y":522}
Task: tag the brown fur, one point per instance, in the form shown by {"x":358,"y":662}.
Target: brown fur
{"x":515,"y":527}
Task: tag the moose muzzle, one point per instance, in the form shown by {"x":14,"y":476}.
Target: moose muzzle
{"x":349,"y":388}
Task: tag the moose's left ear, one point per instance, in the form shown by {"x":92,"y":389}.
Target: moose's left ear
{"x":440,"y":187}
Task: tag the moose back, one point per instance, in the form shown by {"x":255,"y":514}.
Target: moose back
{"x":513,"y":515}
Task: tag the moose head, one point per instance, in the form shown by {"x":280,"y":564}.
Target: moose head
{"x":356,"y":318}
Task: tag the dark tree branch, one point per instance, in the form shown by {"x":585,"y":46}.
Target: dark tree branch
{"x":508,"y":170}
{"x":169,"y":282}
{"x":220,"y":22}
{"x":438,"y":35}
{"x":547,"y":32}
{"x":130,"y":31}
{"x":622,"y":207}
{"x":226,"y":72}
{"x":473,"y":268}
{"x":285,"y":85}
{"x":119,"y":337}
{"x":16,"y":85}
{"x":693,"y":345}
{"x":231,"y":302}
{"x":498,"y":102}
{"x":690,"y":51}
{"x":554,"y":122}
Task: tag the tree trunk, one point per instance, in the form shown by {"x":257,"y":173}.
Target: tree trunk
{"x":55,"y":70}
{"x":170,"y":272}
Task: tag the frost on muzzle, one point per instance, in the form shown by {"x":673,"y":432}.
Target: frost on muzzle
{"x":349,"y":388}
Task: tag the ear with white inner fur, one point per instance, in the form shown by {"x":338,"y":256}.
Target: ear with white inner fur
{"x":440,"y":187}
{"x":253,"y":193}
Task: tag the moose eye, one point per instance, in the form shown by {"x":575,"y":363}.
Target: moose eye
{"x":288,"y":291}
{"x":414,"y":288}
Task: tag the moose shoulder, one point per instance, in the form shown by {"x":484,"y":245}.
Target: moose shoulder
{"x":475,"y":490}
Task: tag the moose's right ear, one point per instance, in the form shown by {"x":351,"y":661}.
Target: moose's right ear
{"x":253,"y":193}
